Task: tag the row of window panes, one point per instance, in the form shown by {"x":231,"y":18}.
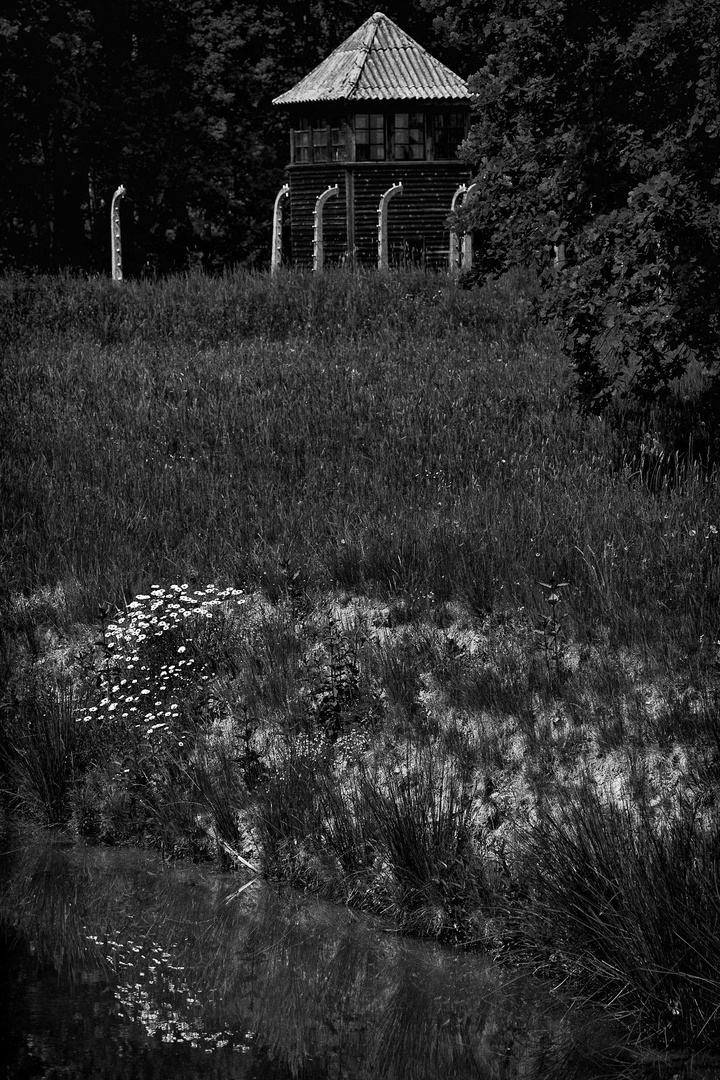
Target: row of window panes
{"x":326,"y":143}
{"x":323,"y":142}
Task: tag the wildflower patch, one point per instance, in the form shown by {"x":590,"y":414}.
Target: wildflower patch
{"x":160,"y":653}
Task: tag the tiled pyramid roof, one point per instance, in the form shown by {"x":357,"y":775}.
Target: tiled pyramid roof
{"x":379,"y":62}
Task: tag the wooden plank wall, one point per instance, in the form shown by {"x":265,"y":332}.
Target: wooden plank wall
{"x":417,"y":230}
{"x":306,"y":183}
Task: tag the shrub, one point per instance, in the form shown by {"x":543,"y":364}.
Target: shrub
{"x":614,"y":168}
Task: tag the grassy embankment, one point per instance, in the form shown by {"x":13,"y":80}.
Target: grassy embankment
{"x":384,"y":696}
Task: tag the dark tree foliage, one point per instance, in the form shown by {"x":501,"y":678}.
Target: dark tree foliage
{"x":597,"y":127}
{"x":171,"y":98}
{"x":49,"y":60}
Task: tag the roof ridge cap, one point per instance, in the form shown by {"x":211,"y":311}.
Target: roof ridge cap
{"x":353,"y":79}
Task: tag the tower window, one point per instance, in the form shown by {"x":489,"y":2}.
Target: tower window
{"x":369,"y":137}
{"x":321,"y":141}
{"x":409,"y":136}
{"x":301,"y":141}
{"x":339,"y":144}
{"x":448,"y":133}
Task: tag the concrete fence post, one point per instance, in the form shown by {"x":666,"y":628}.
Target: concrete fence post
{"x":115,"y":237}
{"x":454,"y":251}
{"x":318,"y":249}
{"x":383,"y":258}
{"x":276,"y":254}
{"x":467,"y":244}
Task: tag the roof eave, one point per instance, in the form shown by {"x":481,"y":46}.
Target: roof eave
{"x":288,"y":100}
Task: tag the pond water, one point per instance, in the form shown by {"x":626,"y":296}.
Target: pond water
{"x":115,"y":964}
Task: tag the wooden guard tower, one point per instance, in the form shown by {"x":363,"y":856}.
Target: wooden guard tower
{"x":374,"y":132}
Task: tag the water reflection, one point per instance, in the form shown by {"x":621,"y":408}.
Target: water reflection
{"x":116,"y":964}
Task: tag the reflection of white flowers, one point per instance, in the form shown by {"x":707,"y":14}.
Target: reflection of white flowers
{"x":150,"y":991}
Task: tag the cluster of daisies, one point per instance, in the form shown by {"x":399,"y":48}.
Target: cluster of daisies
{"x":155,"y":654}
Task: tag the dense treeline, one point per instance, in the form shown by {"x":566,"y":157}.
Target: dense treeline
{"x":172,"y":98}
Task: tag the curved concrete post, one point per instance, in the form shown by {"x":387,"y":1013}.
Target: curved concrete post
{"x":467,"y":244}
{"x":318,"y":252}
{"x":383,"y":261}
{"x":276,"y":253}
{"x":115,"y":238}
{"x":454,"y":251}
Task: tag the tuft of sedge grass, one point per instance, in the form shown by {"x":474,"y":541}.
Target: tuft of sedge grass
{"x":400,"y":841}
{"x":628,"y":903}
{"x":218,"y":778}
{"x":347,"y":828}
{"x":193,"y":804}
{"x":40,"y":749}
{"x":286,"y":820}
{"x":422,"y":815}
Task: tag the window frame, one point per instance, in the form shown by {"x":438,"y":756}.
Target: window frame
{"x":319,"y":140}
{"x":452,"y":120}
{"x":376,"y":128}
{"x":418,"y":126}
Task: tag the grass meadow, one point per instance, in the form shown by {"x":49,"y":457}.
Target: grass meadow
{"x":328,"y":577}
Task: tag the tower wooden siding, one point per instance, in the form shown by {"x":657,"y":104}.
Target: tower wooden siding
{"x":417,"y":218}
{"x":306,"y":183}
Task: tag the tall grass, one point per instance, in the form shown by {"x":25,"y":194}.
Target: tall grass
{"x":371,"y":431}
